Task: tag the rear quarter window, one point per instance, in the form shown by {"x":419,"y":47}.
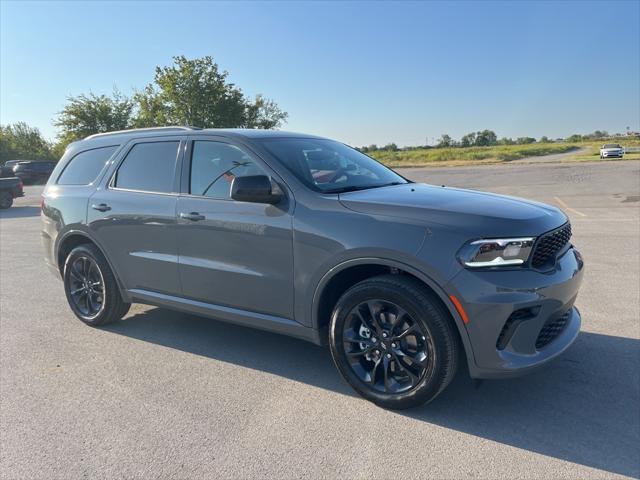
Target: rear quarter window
{"x":84,"y":168}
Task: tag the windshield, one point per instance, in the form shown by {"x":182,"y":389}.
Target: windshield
{"x":611,"y":145}
{"x":330,"y":167}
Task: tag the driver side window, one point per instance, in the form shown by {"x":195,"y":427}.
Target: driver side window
{"x":214,"y":165}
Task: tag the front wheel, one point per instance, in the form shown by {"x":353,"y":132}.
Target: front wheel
{"x":393,"y":341}
{"x":91,"y":288}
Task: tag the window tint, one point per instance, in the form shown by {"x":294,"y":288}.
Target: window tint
{"x":149,"y":167}
{"x":85,"y":166}
{"x":214,"y":165}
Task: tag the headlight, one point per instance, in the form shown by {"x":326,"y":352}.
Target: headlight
{"x":496,"y":252}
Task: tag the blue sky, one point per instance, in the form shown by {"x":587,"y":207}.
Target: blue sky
{"x":361,"y":72}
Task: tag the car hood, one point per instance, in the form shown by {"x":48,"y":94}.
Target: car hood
{"x":477,"y":213}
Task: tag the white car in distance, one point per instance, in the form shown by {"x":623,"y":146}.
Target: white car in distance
{"x":609,"y":150}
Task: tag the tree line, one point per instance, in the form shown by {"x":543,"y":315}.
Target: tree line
{"x":488,"y":138}
{"x":188,"y":92}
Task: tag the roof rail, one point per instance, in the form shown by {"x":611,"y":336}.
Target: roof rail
{"x":150,"y":129}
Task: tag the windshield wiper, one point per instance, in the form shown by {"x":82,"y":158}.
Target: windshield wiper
{"x":355,"y":188}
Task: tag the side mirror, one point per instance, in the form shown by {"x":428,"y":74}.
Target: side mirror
{"x":254,"y":188}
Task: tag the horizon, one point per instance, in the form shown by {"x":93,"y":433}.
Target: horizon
{"x":363,"y":73}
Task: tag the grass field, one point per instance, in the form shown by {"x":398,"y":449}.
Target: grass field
{"x":425,"y":157}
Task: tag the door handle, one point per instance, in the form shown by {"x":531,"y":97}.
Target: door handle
{"x":103,"y":207}
{"x":193,"y":216}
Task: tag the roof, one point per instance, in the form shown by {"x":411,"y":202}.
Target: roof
{"x":109,"y":137}
{"x":258,"y":133}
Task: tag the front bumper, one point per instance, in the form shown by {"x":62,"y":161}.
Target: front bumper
{"x":612,"y":154}
{"x":519,"y":319}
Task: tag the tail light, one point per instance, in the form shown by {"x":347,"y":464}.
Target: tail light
{"x":41,"y":202}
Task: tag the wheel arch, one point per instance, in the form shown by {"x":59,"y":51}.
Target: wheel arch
{"x":73,"y":238}
{"x":346,"y":274}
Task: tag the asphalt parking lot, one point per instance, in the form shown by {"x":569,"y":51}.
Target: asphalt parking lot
{"x":167,"y":395}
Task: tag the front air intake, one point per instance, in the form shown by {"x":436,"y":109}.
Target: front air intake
{"x":551,"y":330}
{"x":512,"y":323}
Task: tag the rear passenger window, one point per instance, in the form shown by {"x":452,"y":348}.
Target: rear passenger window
{"x":148,"y":167}
{"x":85,"y":166}
{"x":214,"y":165}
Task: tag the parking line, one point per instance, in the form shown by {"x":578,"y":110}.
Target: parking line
{"x":567,"y":207}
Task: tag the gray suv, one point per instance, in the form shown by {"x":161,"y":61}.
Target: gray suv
{"x":308,"y":237}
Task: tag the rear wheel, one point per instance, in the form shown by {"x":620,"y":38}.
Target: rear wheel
{"x":91,"y":288}
{"x":393,"y":341}
{"x":6,"y":200}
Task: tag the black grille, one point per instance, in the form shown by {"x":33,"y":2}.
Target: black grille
{"x":551,"y":330}
{"x":549,"y":245}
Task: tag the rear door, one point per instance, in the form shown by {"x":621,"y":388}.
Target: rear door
{"x":133,"y":215}
{"x":234,"y":254}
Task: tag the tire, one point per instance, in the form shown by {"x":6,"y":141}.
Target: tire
{"x":84,"y":268}
{"x":6,"y":200}
{"x":407,"y":303}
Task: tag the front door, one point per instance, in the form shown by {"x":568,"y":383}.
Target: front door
{"x":233,"y":254}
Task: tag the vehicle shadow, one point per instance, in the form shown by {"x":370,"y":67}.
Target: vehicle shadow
{"x":18,"y":211}
{"x":584,"y":408}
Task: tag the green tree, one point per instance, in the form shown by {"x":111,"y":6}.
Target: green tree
{"x":445,"y":141}
{"x":599,"y":134}
{"x":85,"y":115}
{"x":575,"y":138}
{"x":196,"y":92}
{"x":264,"y":113}
{"x":486,"y":138}
{"x":19,"y":141}
{"x":468,"y":140}
{"x":391,"y":147}
{"x":525,"y":140}
{"x":544,"y":139}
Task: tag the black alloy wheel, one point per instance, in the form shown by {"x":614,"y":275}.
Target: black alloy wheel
{"x":394,"y":341}
{"x":91,"y":287}
{"x":386,"y":348}
{"x":86,"y":286}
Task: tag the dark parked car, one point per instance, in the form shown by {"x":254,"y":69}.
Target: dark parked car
{"x":10,"y":188}
{"x":308,"y":237}
{"x":12,"y":163}
{"x":33,"y":171}
{"x":6,"y":172}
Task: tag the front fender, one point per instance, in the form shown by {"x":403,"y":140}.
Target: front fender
{"x":391,"y":263}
